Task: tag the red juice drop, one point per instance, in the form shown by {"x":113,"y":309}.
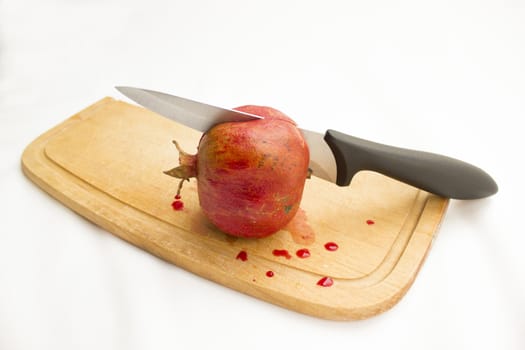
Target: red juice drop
{"x":177,"y":196}
{"x":282,"y":252}
{"x":325,"y":282}
{"x":269,"y":273}
{"x":331,"y":246}
{"x":370,"y":222}
{"x":177,"y":205}
{"x":303,"y":253}
{"x":243,"y":256}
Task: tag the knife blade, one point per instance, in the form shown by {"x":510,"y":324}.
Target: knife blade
{"x":197,"y":115}
{"x":335,"y":156}
{"x":202,"y":116}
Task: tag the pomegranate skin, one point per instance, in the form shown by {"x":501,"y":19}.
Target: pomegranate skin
{"x":251,"y":175}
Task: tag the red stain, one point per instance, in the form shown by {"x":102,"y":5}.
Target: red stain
{"x":370,"y":222}
{"x":303,"y":253}
{"x":269,"y":273}
{"x":177,"y":196}
{"x":243,"y":256}
{"x":331,"y":246}
{"x":177,"y":205}
{"x":325,"y":282}
{"x":302,"y":233}
{"x":282,"y":252}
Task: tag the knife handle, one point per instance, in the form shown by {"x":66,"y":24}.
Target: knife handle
{"x":444,"y":176}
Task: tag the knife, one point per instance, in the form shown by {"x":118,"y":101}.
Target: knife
{"x":335,"y":156}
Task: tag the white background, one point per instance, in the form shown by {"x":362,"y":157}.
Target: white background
{"x":441,"y":76}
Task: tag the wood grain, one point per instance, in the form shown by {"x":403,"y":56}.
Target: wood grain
{"x":106,"y":164}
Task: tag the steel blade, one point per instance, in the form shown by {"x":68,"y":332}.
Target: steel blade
{"x":202,"y":117}
{"x":197,"y":115}
{"x":322,"y":160}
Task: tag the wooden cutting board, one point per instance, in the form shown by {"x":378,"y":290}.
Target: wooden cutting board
{"x":106,"y":164}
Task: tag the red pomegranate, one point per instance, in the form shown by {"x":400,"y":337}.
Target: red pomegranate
{"x":250,"y":175}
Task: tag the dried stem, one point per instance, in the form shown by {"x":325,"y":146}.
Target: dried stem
{"x":187,"y":167}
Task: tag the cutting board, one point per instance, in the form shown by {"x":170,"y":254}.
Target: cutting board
{"x":366,"y":242}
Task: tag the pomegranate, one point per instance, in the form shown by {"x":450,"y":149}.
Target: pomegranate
{"x":250,"y":175}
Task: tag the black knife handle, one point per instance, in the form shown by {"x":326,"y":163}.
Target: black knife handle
{"x":444,"y":176}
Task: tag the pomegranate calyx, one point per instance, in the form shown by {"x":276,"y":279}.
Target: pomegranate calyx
{"x":187,"y":168}
{"x":184,"y":172}
{"x":187,"y":165}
